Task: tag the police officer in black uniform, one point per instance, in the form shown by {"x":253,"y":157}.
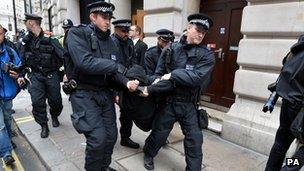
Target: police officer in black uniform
{"x":43,"y":55}
{"x":165,"y":37}
{"x":66,"y":25}
{"x":186,"y":69}
{"x":126,"y":50}
{"x":289,"y":86}
{"x":96,"y":71}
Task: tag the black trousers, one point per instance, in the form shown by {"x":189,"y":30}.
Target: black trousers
{"x":186,"y":115}
{"x":94,"y":116}
{"x":44,"y":88}
{"x":125,"y":118}
{"x":283,"y":140}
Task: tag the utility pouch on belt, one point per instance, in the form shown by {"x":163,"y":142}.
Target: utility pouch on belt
{"x":203,"y":118}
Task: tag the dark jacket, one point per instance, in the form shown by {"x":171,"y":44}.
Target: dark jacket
{"x":139,"y":52}
{"x":151,"y":59}
{"x":41,"y":53}
{"x":94,"y":56}
{"x":290,"y":84}
{"x":126,"y":51}
{"x":190,"y":67}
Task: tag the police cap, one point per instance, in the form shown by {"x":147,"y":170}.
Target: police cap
{"x":67,"y":23}
{"x":201,"y":20}
{"x":29,"y":16}
{"x":165,"y":35}
{"x":101,"y":7}
{"x":122,"y":23}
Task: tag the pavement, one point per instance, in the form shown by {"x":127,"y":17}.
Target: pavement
{"x":64,"y":149}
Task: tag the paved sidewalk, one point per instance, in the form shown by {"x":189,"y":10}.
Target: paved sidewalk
{"x":64,"y":149}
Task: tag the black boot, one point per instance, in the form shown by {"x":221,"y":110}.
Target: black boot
{"x":55,"y":122}
{"x":9,"y":160}
{"x":44,"y":131}
{"x":148,"y":162}
{"x":129,"y":143}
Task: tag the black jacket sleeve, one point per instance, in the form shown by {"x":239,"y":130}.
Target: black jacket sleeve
{"x":197,"y":76}
{"x":82,"y":57}
{"x":161,"y":64}
{"x":143,"y":50}
{"x":59,"y":51}
{"x":149,"y":63}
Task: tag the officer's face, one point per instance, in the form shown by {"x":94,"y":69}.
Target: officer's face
{"x":132,"y":31}
{"x":102,"y":21}
{"x":162,"y":43}
{"x":122,"y":33}
{"x":2,"y":35}
{"x":194,"y":34}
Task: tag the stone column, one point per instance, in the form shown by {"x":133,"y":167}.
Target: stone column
{"x":73,"y":11}
{"x":169,"y":14}
{"x":269,"y":30}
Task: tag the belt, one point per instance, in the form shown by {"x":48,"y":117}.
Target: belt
{"x":82,"y":86}
{"x":186,"y":99}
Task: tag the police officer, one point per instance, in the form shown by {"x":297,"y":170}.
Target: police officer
{"x":126,"y":50}
{"x":290,"y":86}
{"x":165,"y":37}
{"x":186,"y":68}
{"x":96,"y":71}
{"x":43,"y":55}
{"x":66,"y":25}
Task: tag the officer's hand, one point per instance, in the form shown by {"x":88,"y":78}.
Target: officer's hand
{"x":21,"y":81}
{"x":132,"y":85}
{"x":144,"y":92}
{"x":65,"y":78}
{"x":156,"y":81}
{"x":166,"y":76}
{"x":14,"y":74}
{"x":116,"y":100}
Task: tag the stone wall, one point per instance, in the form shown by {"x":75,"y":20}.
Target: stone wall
{"x":169,"y":14}
{"x":269,"y":28}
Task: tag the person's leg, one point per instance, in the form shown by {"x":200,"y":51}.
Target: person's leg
{"x":283,"y":138}
{"x":126,"y":121}
{"x":54,"y":97}
{"x":299,"y":155}
{"x":87,"y":118}
{"x":5,"y":143}
{"x":38,"y":96}
{"x":109,"y":119}
{"x":162,"y":126}
{"x":7,"y":113}
{"x":193,"y":140}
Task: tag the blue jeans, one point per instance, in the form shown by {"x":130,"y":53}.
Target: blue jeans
{"x":5,"y":128}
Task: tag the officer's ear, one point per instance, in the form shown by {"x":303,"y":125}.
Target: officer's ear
{"x":93,"y":17}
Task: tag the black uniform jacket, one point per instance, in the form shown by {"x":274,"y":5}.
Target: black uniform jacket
{"x":94,"y":55}
{"x":290,"y":85}
{"x":190,"y":67}
{"x":151,"y":59}
{"x":139,"y":52}
{"x":126,"y":51}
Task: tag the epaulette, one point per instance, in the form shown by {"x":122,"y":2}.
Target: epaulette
{"x":80,"y":25}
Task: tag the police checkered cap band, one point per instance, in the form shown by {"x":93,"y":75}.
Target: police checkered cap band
{"x":102,"y":9}
{"x":200,"y":21}
{"x":123,"y":25}
{"x":165,"y":35}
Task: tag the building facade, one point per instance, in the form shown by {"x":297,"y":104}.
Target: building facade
{"x":7,"y":16}
{"x":249,"y":38}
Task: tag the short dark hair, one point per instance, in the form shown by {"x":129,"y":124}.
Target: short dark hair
{"x":137,"y":28}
